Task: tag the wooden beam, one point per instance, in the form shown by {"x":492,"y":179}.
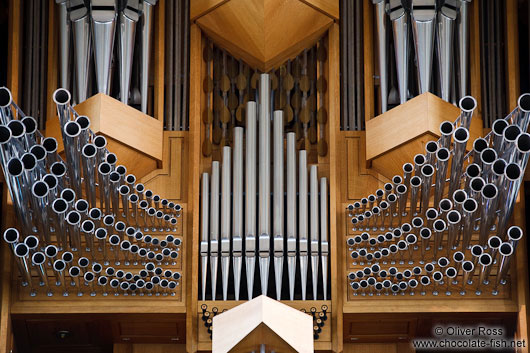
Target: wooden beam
{"x":192,"y":291}
{"x":200,"y":8}
{"x":329,"y":8}
{"x":512,"y":54}
{"x":53,"y":59}
{"x":368,"y":61}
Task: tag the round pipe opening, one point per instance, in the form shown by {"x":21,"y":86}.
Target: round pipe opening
{"x":88,"y":226}
{"x":461,"y":135}
{"x":68,"y":195}
{"x":446,"y":128}
{"x":31,"y":241}
{"x":83,"y":121}
{"x":480,"y":144}
{"x":15,"y":167}
{"x":513,"y":171}
{"x":499,"y":166}
{"x":494,"y":242}
{"x":498,"y":126}
{"x":515,"y":233}
{"x":5,"y":134}
{"x":439,"y":225}
{"x":442,"y":154}
{"x":467,"y":104}
{"x":38,"y":258}
{"x":419,"y":159}
{"x":58,"y":169}
{"x":89,"y":150}
{"x":59,"y":205}
{"x":30,"y":124}
{"x":453,"y":217}
{"x":512,"y":132}
{"x":59,"y":265}
{"x":477,"y":184}
{"x":29,"y":161}
{"x":72,"y":129}
{"x":476,"y":250}
{"x":488,"y":155}
{"x":17,"y":128}
{"x":506,"y":249}
{"x":50,"y":144}
{"x":470,"y":205}
{"x":40,"y":189}
{"x":73,"y":217}
{"x":100,"y":142}
{"x":489,"y":191}
{"x":61,"y":96}
{"x":81,"y":205}
{"x":111,"y":158}
{"x":524,"y":102}
{"x":523,"y":143}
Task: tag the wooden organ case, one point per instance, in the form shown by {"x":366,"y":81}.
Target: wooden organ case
{"x":299,"y":44}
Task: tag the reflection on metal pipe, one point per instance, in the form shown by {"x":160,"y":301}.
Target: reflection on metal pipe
{"x":278,"y":206}
{"x":103,"y":14}
{"x":250,"y":196}
{"x":445,"y":21}
{"x":400,"y":27}
{"x":423,"y":14}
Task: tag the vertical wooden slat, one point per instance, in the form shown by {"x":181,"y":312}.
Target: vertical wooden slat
{"x":334,"y":210}
{"x":194,"y":178}
{"x":158,"y":61}
{"x":512,"y":54}
{"x":369,"y":105}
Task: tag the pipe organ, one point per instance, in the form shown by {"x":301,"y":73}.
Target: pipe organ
{"x":331,"y":173}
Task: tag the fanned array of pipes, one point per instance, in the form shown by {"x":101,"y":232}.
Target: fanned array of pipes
{"x":440,"y":27}
{"x":57,"y":207}
{"x":88,"y":31}
{"x":454,"y":227}
{"x":236,"y":211}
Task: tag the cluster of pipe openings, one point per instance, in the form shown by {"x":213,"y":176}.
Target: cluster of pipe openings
{"x":88,"y":32}
{"x":86,"y":206}
{"x":440,"y":27}
{"x":448,"y":200}
{"x":236,"y":197}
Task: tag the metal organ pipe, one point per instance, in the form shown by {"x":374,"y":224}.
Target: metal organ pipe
{"x":250,"y":195}
{"x":278,"y":207}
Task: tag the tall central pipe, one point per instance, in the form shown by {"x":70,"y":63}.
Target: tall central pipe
{"x":237,"y":213}
{"x":264,"y":181}
{"x":278,"y":200}
{"x":103,"y":27}
{"x":291,"y":211}
{"x":225,"y":217}
{"x":250,"y":196}
{"x":423,"y":27}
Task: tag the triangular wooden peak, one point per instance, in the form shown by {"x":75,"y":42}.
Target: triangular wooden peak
{"x":264,"y":33}
{"x":262,"y":321}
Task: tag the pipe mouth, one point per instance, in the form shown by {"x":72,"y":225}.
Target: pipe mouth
{"x":124,"y":190}
{"x":442,"y":154}
{"x":121,"y":170}
{"x":15,"y":167}
{"x":488,"y":156}
{"x":515,"y":233}
{"x":461,"y":135}
{"x":498,"y":126}
{"x":401,"y":189}
{"x":31,"y":241}
{"x":524,"y":102}
{"x":485,"y":259}
{"x":427,"y":170}
{"x":38,"y":151}
{"x":468,"y":266}
{"x":83,"y":121}
{"x":437,"y":276}
{"x":454,"y":217}
{"x":72,"y":129}
{"x":363,"y":283}
{"x":125,"y":245}
{"x":30,"y":124}
{"x":523,"y":142}
{"x":74,"y":271}
{"x":110,"y":271}
{"x":431,"y":213}
{"x":131,"y":179}
{"x":81,"y":205}
{"x":149,"y":194}
{"x":494,"y":242}
{"x":120,"y":226}
{"x":102,"y":281}
{"x":160,"y":214}
{"x":100,"y":142}
{"x":134,"y":248}
{"x":431,"y":147}
{"x":108,"y":220}
{"x":59,"y":265}
{"x":439,"y":225}
{"x":472,"y":170}
{"x":139,"y":188}
{"x":402,"y":245}
{"x":39,"y":189}
{"x":443,"y":261}
{"x":415,"y":181}
{"x":470,"y":205}
{"x":89,"y":276}
{"x":371,"y":198}
{"x":396,"y":179}
{"x":445,"y":205}
{"x":156,"y":198}
{"x":130,"y":231}
{"x":489,"y":191}
{"x":29,"y":161}
{"x":392,"y":198}
{"x":155,"y":241}
{"x":446,"y":128}
{"x":411,"y":239}
{"x":73,"y":218}
{"x":5,"y":134}
{"x":111,"y":159}
{"x":21,"y":250}
{"x":51,"y":251}
{"x":480,"y":145}
{"x":499,"y":166}
{"x":59,"y":205}
{"x":372,"y":242}
{"x":128,"y":276}
{"x":133,"y":198}
{"x":101,"y":233}
{"x":513,"y":171}
{"x":38,"y":258}
{"x":477,"y":184}
{"x":381,"y":238}
{"x":425,"y":233}
{"x":120,"y":274}
{"x":114,"y":177}
{"x":104,"y":168}
{"x":429,"y":267}
{"x":50,"y":144}
{"x":151,"y":211}
{"x":354,"y":220}
{"x":97,"y":268}
{"x":172,"y":204}
{"x":51,"y":181}
{"x":419,"y":159}
{"x":459,"y":196}
{"x":88,"y":226}
{"x":68,"y":194}
{"x":95,"y":213}
{"x":61,"y":96}
{"x":416,"y":270}
{"x":408,"y":168}
{"x":476,"y":250}
{"x":425,"y":281}
{"x":17,"y":128}
{"x":67,"y":257}
{"x":11,"y":235}
{"x":89,"y":150}
{"x":383,"y":205}
{"x":511,"y":132}
{"x":450,"y":272}
{"x":5,"y":97}
{"x":114,"y":239}
{"x":58,"y":169}
{"x":506,"y":249}
{"x":458,"y":256}
{"x":467,"y":104}
{"x":367,"y":214}
{"x":417,"y":222}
